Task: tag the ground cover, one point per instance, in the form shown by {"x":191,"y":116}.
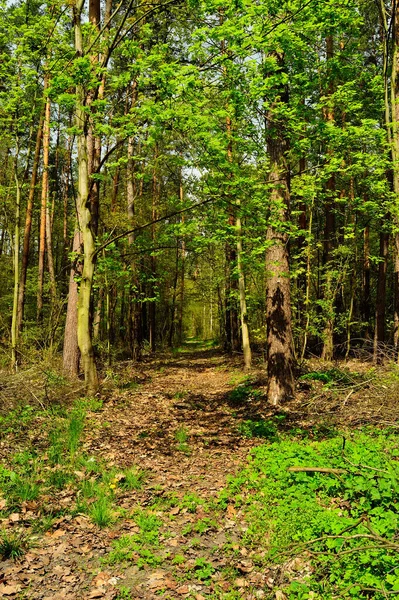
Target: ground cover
{"x":181,"y":482}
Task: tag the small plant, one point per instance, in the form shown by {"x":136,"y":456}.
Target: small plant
{"x":191,"y":501}
{"x":12,"y":545}
{"x":203,"y":569}
{"x":259,"y":428}
{"x":101,"y":512}
{"x":178,"y":559}
{"x":60,"y":478}
{"x":133,"y":478}
{"x":124,"y":594}
{"x":91,"y":404}
{"x":45,"y":523}
{"x":181,"y":436}
{"x":75,"y":429}
{"x":244,"y":393}
{"x":203,"y":525}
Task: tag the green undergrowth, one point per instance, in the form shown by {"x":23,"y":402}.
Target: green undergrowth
{"x":343,"y":525}
{"x":59,"y":465}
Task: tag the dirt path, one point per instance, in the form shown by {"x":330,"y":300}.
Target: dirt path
{"x":174,"y":418}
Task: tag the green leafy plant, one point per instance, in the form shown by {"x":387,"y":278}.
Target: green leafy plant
{"x":259,"y":428}
{"x":336,"y":499}
{"x":182,"y":436}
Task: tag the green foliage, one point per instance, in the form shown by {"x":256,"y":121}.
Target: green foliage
{"x":203,"y":570}
{"x":347,"y":521}
{"x":139,"y":548}
{"x":259,"y":428}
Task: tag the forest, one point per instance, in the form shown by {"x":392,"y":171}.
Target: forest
{"x":199,"y":307}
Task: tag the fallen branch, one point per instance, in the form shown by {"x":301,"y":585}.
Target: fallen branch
{"x":316,"y":470}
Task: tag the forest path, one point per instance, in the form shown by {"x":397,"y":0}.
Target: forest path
{"x":177,"y":397}
{"x":177,"y":418}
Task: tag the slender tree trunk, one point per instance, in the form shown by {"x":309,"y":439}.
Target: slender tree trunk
{"x":43,"y":208}
{"x":308,"y":283}
{"x":246,"y":346}
{"x":395,"y":160}
{"x":84,"y":218}
{"x":153,"y":261}
{"x":174,"y":296}
{"x":71,"y":350}
{"x":329,"y":231}
{"x":366,"y":281}
{"x":28,"y":227}
{"x":379,"y":334}
{"x":14,"y":323}
{"x":182,"y":273}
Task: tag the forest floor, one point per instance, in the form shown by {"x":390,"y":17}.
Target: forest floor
{"x":124,"y":496}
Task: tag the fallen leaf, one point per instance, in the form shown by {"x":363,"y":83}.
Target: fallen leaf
{"x":14,"y":517}
{"x":9,"y":590}
{"x":97,"y":593}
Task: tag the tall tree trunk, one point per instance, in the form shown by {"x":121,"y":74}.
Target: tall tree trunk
{"x":366,"y":281}
{"x":379,"y":334}
{"x":43,"y":207}
{"x":395,"y":159}
{"x":280,"y":345}
{"x":84,"y":218}
{"x":246,"y":346}
{"x":182,"y":271}
{"x":28,"y":226}
{"x":329,"y":231}
{"x":14,"y":324}
{"x":153,"y":261}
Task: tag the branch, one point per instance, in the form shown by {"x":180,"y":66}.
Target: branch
{"x":159,"y":220}
{"x":316,"y":470}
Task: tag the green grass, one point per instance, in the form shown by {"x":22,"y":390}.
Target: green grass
{"x":13,"y":545}
{"x":101,"y":512}
{"x":182,"y":437}
{"x":134,"y":478}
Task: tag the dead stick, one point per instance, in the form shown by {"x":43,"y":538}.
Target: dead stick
{"x":316,"y":470}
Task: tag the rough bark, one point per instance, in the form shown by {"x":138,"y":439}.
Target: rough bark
{"x":280,"y":348}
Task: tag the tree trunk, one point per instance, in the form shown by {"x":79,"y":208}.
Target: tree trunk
{"x":14,"y":327}
{"x":280,"y":346}
{"x":379,"y":333}
{"x":43,"y":208}
{"x":28,"y":226}
{"x":395,"y":159}
{"x":329,"y":231}
{"x":366,"y":281}
{"x":70,"y":356}
{"x":246,"y":346}
{"x":84,"y":218}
